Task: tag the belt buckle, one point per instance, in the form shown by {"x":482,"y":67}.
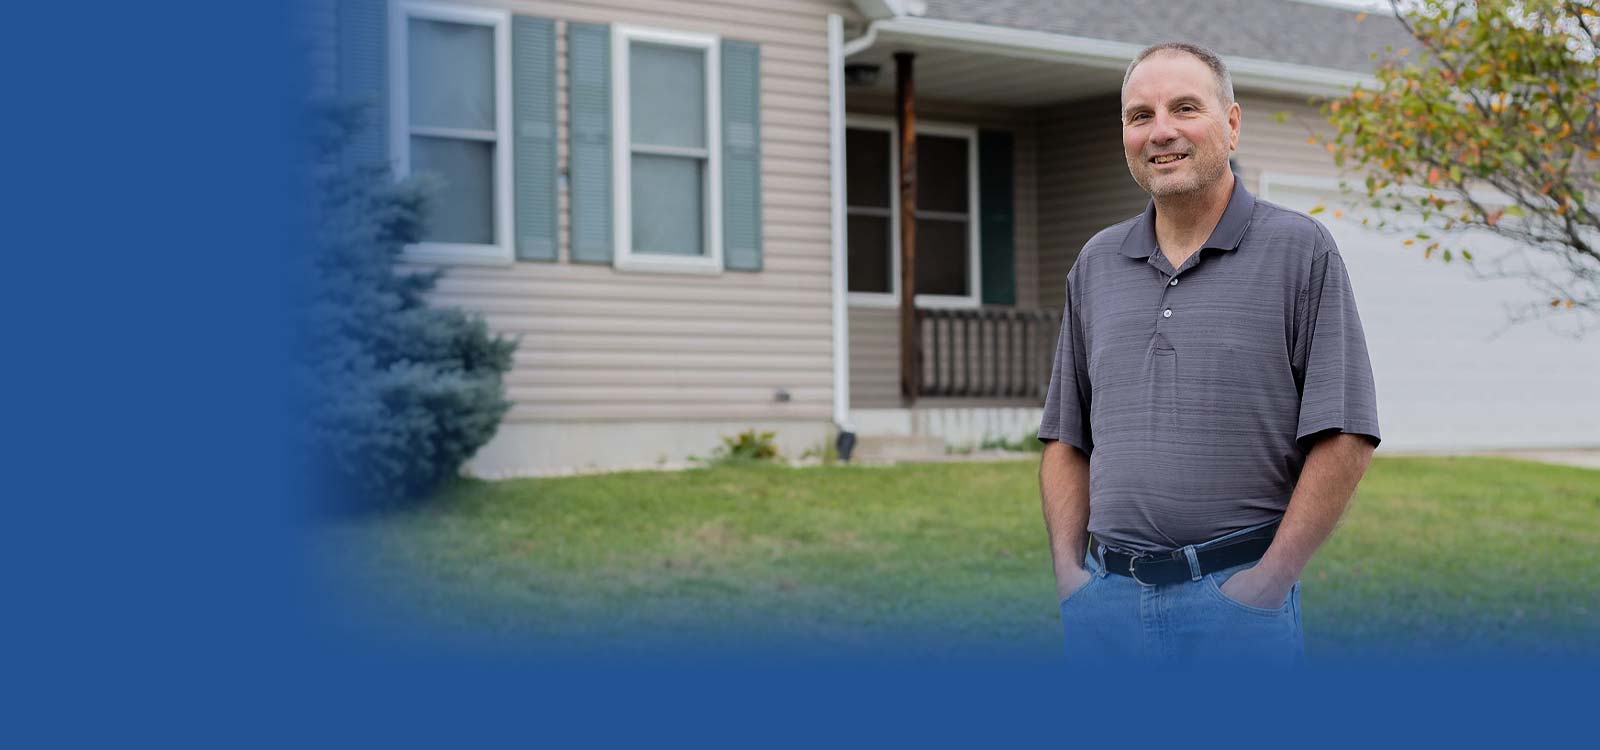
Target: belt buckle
{"x":1133,"y":570}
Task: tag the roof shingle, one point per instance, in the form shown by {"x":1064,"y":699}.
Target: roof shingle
{"x":1292,"y":32}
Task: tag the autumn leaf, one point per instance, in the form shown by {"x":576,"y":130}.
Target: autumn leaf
{"x":1433,"y":175}
{"x":1494,"y":218}
{"x":1317,"y":209}
{"x":1362,"y":16}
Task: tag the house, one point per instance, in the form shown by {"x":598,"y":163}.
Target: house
{"x":687,"y":210}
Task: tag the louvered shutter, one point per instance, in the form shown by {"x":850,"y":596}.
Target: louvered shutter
{"x":589,"y":153}
{"x":533,"y":77}
{"x":996,"y":228}
{"x":741,"y":155}
{"x":364,"y":78}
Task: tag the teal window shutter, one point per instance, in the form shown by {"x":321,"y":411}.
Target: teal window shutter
{"x":533,"y":80}
{"x":589,"y":151}
{"x":741,"y":155}
{"x":996,"y":228}
{"x":364,"y":77}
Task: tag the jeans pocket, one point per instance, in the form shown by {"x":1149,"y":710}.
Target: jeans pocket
{"x":1093,"y":579}
{"x":1213,"y":585}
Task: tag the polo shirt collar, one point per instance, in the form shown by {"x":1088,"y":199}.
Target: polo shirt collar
{"x":1229,"y":232}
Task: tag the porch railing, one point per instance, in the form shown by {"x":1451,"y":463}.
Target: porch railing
{"x":986,"y":353}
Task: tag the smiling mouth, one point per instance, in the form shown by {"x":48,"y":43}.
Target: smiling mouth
{"x":1168,"y":158}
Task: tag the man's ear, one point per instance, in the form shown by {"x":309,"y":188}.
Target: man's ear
{"x":1235,"y":122}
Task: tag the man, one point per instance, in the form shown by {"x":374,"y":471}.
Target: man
{"x":1211,"y":407}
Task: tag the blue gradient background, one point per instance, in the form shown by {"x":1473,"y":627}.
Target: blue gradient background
{"x":157,"y":590}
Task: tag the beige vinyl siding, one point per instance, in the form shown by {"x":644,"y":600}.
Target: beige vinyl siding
{"x":598,"y":344}
{"x":875,"y":331}
{"x":1266,"y":145}
{"x":874,"y":357}
{"x":1084,"y":186}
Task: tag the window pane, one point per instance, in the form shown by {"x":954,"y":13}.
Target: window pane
{"x":866,"y":156}
{"x":668,"y":205}
{"x":460,"y":208}
{"x":451,"y":67}
{"x":942,"y":261}
{"x":941,"y":173}
{"x":868,"y":250}
{"x":667,"y":95}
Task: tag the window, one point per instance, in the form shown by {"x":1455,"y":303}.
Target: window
{"x":666,"y":124}
{"x":451,"y":121}
{"x":948,"y":264}
{"x":872,"y":203}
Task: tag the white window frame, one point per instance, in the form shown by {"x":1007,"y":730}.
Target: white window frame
{"x":974,"y":231}
{"x":623,"y":35}
{"x":500,"y":252}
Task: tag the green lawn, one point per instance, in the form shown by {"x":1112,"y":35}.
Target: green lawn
{"x":935,"y":559}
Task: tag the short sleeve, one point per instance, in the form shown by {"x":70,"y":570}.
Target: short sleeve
{"x":1066,"y":403}
{"x":1330,"y":356}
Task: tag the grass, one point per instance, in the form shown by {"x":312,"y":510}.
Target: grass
{"x":1435,"y":554}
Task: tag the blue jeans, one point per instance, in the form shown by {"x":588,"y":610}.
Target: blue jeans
{"x":1114,"y":618}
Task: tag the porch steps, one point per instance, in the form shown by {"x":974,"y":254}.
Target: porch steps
{"x":875,"y":449}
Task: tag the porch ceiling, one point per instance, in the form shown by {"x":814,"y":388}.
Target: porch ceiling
{"x":955,"y":73}
{"x":1029,"y":68}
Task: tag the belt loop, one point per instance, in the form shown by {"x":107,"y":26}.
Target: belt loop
{"x":1194,"y":562}
{"x":1100,"y":556}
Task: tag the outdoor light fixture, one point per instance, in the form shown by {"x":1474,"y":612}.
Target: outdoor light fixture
{"x":861,"y":74}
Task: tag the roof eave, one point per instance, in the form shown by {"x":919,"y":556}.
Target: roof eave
{"x":881,"y":9}
{"x":1251,"y":74}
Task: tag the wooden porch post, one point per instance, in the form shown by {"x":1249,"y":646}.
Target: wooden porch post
{"x":906,"y":116}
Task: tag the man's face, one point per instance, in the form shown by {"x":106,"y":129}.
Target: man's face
{"x":1176,"y":133}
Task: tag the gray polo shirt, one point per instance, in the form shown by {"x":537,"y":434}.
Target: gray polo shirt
{"x":1197,"y":393}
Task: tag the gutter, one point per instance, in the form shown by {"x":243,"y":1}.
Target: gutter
{"x":836,"y":233}
{"x":1248,"y":73}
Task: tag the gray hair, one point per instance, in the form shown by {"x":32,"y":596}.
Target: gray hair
{"x":1212,"y":61}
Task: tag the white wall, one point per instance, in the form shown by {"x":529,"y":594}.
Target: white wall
{"x":1445,"y":380}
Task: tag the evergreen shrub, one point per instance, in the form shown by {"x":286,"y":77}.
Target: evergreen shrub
{"x":397,"y":393}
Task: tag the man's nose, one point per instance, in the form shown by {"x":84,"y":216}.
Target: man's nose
{"x":1162,"y":130}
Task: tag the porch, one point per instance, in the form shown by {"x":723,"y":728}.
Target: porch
{"x":1016,"y":162}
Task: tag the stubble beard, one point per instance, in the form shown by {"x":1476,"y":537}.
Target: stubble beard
{"x":1202,"y":175}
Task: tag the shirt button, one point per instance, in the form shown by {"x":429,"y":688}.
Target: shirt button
{"x":1174,"y":281}
{"x":1167,"y":313}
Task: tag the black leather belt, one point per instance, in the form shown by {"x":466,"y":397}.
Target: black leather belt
{"x":1237,"y":548}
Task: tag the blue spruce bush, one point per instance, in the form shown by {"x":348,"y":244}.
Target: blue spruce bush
{"x":397,"y":393}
